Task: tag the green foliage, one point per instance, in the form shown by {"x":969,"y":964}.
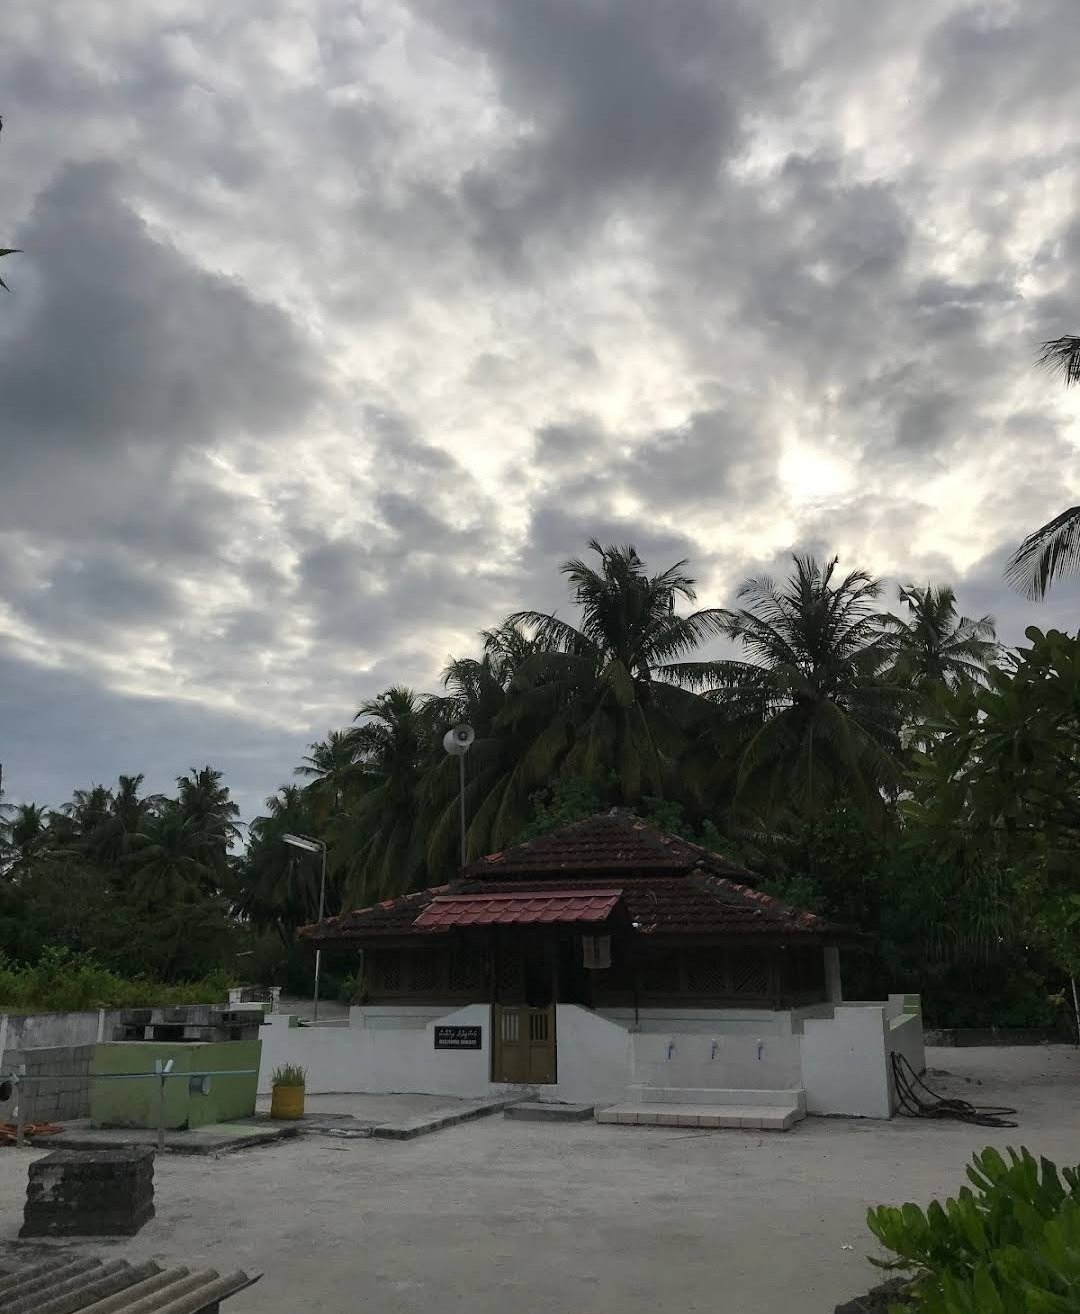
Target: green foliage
{"x":61,"y":981}
{"x":289,"y":1074}
{"x":568,"y":799}
{"x":1011,"y":1245}
{"x":140,"y":881}
{"x":1001,"y":784}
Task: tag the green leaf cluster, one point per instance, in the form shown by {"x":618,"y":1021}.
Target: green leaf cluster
{"x":1007,"y":1244}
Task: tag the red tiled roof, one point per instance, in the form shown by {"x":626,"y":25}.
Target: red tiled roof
{"x":666,"y":886}
{"x":614,"y":841}
{"x":522,"y":908}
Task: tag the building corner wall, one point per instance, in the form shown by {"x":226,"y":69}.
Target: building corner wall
{"x":845,"y":1063}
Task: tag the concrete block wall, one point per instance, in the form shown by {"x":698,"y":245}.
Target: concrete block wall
{"x":62,"y":1089}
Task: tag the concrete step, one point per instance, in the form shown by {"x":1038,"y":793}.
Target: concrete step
{"x":745,"y":1117}
{"x":538,"y":1111}
{"x":715,"y":1096}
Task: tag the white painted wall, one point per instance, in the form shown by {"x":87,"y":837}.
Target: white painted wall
{"x":904,"y":1035}
{"x":371,"y":1056}
{"x":724,"y":1062}
{"x":841,"y":1059}
{"x":752,"y":1022}
{"x":844,"y":1062}
{"x":594,"y":1058}
{"x":391,"y":1049}
{"x":50,"y":1030}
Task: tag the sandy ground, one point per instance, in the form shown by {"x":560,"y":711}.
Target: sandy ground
{"x":496,"y":1215}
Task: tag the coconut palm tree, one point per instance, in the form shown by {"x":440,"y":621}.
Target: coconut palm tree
{"x":376,"y":845}
{"x":127,"y":813}
{"x":934,"y":646}
{"x":170,"y":860}
{"x":820,"y":715}
{"x":331,"y":769}
{"x":75,"y":821}
{"x":477,"y":692}
{"x":25,"y":833}
{"x":1053,"y":550}
{"x":273,"y":887}
{"x":203,"y":799}
{"x":603,"y":695}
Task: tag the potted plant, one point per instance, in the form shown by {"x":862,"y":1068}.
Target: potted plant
{"x":287,"y":1091}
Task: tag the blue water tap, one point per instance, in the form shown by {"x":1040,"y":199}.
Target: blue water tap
{"x":760,"y":1049}
{"x":670,"y":1050}
{"x":715,"y":1047}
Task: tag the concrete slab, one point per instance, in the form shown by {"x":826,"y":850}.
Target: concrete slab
{"x":747,"y":1117}
{"x":461,"y":1111}
{"x":215,"y":1138}
{"x":582,"y":1216}
{"x":537,"y":1111}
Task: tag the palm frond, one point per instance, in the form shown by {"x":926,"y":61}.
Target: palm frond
{"x":1051,"y":552}
{"x":1061,"y":356}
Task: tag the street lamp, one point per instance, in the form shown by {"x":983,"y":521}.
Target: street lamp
{"x":313,"y":846}
{"x":457,"y":742}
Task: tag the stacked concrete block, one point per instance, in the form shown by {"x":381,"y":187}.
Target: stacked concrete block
{"x":57,"y":1085}
{"x":203,"y":1023}
{"x":90,"y":1193}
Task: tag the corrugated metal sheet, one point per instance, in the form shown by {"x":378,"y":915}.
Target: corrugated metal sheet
{"x":87,"y":1285}
{"x":525,"y":909}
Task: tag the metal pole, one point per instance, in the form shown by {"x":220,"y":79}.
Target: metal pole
{"x":461,"y":804}
{"x":20,"y":1109}
{"x":318,"y":952}
{"x":1076,"y":1008}
{"x":162,"y":1069}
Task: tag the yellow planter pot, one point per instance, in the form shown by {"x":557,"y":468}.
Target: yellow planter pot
{"x":287,"y":1102}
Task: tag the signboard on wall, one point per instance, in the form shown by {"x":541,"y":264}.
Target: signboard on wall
{"x":457,"y":1037}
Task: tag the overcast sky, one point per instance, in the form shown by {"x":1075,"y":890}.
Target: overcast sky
{"x":341,"y":323}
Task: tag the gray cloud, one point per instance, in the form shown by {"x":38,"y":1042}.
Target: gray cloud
{"x":277,"y":429}
{"x":618,"y":101}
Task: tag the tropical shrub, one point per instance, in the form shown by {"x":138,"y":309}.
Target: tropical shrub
{"x":1011,"y":1245}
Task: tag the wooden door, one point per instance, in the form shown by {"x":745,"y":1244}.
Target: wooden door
{"x":524,"y":1049}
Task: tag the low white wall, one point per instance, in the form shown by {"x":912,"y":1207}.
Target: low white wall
{"x":905,"y":1036}
{"x":723,"y":1062}
{"x":753,"y":1022}
{"x":390,"y":1050}
{"x":51,"y":1030}
{"x":845,"y":1064}
{"x":371,"y":1056}
{"x":840,"y":1059}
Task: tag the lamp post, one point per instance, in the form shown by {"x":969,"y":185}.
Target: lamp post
{"x":313,"y":846}
{"x":457,"y":743}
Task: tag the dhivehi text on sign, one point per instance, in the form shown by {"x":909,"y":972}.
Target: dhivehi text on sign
{"x":457,"y":1037}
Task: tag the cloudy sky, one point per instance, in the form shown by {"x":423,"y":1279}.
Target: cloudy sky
{"x":341,"y":323}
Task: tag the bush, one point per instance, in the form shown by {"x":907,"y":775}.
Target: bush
{"x":1011,"y":1246}
{"x":61,"y":981}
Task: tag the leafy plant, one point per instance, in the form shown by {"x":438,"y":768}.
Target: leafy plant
{"x":289,"y":1074}
{"x":1010,"y":1246}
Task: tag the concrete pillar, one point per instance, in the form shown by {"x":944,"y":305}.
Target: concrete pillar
{"x":833,"y":988}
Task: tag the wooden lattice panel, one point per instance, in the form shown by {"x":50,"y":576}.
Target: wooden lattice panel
{"x":510,"y":976}
{"x":426,"y":972}
{"x":749,"y":973}
{"x":659,"y":975}
{"x":707,"y":973}
{"x":385,"y":969}
{"x":466,"y":973}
